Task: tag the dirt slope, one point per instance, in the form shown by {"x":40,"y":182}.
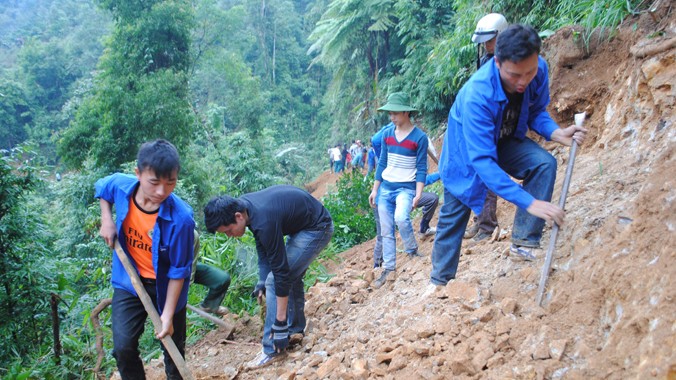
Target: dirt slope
{"x":609,"y":311}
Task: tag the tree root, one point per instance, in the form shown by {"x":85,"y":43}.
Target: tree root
{"x":652,"y":49}
{"x":94,"y":318}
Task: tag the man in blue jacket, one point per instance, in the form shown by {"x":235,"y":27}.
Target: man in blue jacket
{"x":156,"y":230}
{"x":486,"y":143}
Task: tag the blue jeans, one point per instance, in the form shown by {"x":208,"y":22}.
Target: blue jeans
{"x":338,"y":166}
{"x":394,"y":207}
{"x":378,"y":247}
{"x":301,"y":250}
{"x":129,"y":317}
{"x":453,"y":218}
{"x":522,"y":159}
{"x":528,"y":161}
{"x":428,"y":202}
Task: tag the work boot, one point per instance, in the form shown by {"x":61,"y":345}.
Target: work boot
{"x":470,"y":232}
{"x":382,"y":279}
{"x":482,"y":235}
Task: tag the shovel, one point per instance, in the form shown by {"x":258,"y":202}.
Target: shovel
{"x":579,"y":120}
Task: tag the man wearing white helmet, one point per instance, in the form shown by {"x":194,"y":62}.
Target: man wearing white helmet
{"x":486,"y":33}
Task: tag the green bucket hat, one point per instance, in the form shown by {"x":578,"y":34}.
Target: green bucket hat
{"x":397,"y":102}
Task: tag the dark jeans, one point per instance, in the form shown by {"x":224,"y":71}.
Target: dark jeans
{"x":429,"y":203}
{"x":487,"y":220}
{"x":529,"y":162}
{"x":129,"y":318}
{"x":218,"y":282}
{"x":453,"y":218}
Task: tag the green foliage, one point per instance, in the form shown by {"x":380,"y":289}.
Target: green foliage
{"x":238,"y":258}
{"x":45,"y":46}
{"x":354,"y":39}
{"x":15,"y":113}
{"x":142,"y":92}
{"x":25,"y":289}
{"x":598,"y":17}
{"x":349,"y":207}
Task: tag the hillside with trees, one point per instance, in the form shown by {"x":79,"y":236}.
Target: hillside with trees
{"x":252,"y":93}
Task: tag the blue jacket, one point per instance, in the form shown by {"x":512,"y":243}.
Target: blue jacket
{"x":173,"y":237}
{"x":432,"y":178}
{"x":377,"y":139}
{"x":468,"y":163}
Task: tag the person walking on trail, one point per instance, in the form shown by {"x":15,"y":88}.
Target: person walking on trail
{"x":486,"y":143}
{"x":337,"y":159}
{"x":330,"y":152}
{"x":156,"y":230}
{"x":357,"y":154}
{"x":345,"y":157}
{"x":487,"y":30}
{"x":402,"y":169}
{"x":271,"y":214}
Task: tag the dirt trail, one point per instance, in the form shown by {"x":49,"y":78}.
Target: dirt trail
{"x":609,"y":311}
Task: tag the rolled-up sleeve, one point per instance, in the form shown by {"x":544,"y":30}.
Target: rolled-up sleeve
{"x":103,"y":189}
{"x":181,"y":251}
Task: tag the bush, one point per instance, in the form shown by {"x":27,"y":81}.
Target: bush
{"x":349,"y":207}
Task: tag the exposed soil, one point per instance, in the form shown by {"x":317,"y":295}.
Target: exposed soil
{"x":609,"y":309}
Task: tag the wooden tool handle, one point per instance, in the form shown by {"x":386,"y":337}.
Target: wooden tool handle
{"x":152,"y":312}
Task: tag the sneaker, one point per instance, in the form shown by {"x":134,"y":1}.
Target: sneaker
{"x":263,"y":360}
{"x":430,"y":231}
{"x":382,"y":279}
{"x":413,"y":254}
{"x":482,"y":235}
{"x":431,"y":289}
{"x":518,"y":252}
{"x":470,"y":232}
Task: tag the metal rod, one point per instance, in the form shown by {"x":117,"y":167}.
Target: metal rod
{"x":579,"y":119}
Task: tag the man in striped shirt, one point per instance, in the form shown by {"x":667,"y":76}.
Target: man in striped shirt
{"x":400,"y":176}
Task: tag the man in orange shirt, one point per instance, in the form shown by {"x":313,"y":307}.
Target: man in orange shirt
{"x":156,"y":230}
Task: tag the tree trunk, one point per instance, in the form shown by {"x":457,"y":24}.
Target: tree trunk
{"x":54,"y":301}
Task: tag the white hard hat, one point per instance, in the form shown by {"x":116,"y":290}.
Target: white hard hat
{"x":488,"y":27}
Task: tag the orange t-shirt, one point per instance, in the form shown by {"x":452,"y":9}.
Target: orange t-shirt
{"x":138,"y":231}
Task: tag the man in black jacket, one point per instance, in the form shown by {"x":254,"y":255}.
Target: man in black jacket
{"x":270,"y":215}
